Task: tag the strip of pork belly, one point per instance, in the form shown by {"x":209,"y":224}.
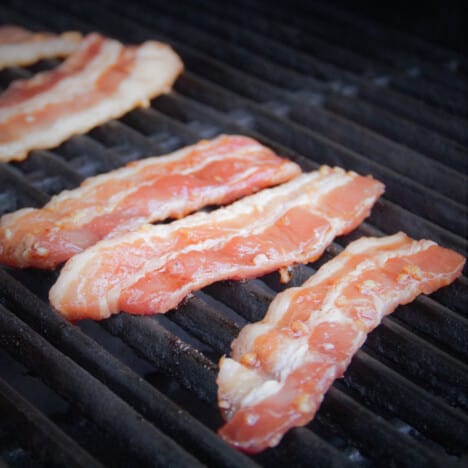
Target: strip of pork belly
{"x":100,"y":81}
{"x":19,"y":47}
{"x":151,"y":270}
{"x":209,"y":172}
{"x":282,"y":366}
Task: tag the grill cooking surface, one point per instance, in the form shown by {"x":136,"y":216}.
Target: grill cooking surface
{"x":321,"y":85}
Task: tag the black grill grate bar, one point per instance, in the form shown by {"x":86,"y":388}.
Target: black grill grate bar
{"x":15,"y":13}
{"x":219,"y":51}
{"x":402,"y":130}
{"x":456,"y":297}
{"x":218,"y":20}
{"x":353,"y":421}
{"x":92,"y":397}
{"x":399,"y":158}
{"x":116,"y":134}
{"x":35,"y":430}
{"x":145,"y":398}
{"x":75,"y":149}
{"x":146,"y":120}
{"x":393,"y":392}
{"x":302,"y":444}
{"x":187,"y":111}
{"x":417,"y":359}
{"x":375,"y":42}
{"x":445,"y":77}
{"x":21,"y":189}
{"x":383,"y":32}
{"x":438,"y":320}
{"x":11,"y":15}
{"x":364,"y":52}
{"x":441,"y":97}
{"x":269,"y":49}
{"x":168,"y":352}
{"x":386,"y":215}
{"x":200,"y":319}
{"x":40,"y":161}
{"x":239,"y":81}
{"x":415,"y":110}
{"x":438,"y":95}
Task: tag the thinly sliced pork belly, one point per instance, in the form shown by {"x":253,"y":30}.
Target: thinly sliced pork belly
{"x":282,"y":366}
{"x":151,"y":270}
{"x":102,"y":80}
{"x":19,"y":47}
{"x":210,"y":172}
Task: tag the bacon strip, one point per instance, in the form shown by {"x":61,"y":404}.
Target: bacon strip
{"x":217,"y":171}
{"x":151,"y":270}
{"x":19,"y":47}
{"x":282,"y":366}
{"x":102,"y":80}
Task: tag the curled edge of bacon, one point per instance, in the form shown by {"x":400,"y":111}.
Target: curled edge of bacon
{"x":282,"y":366}
{"x":20,"y":47}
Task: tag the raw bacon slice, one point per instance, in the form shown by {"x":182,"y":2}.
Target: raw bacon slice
{"x":217,"y":171}
{"x":19,"y":47}
{"x":151,"y":270}
{"x":282,"y":366}
{"x":102,"y":80}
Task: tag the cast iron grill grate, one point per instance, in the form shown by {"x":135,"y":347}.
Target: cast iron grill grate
{"x":141,"y":390}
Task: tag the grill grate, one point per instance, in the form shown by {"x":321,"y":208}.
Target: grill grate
{"x":325,"y":86}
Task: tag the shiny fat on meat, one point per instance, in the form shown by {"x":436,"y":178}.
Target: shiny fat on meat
{"x":151,"y":270}
{"x":281,"y":367}
{"x":20,"y":47}
{"x":100,"y":81}
{"x":153,"y":189}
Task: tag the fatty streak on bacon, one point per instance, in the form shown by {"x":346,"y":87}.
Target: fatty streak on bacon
{"x":151,"y":270}
{"x":217,"y":171}
{"x":102,"y":80}
{"x":282,"y":366}
{"x":20,"y":47}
